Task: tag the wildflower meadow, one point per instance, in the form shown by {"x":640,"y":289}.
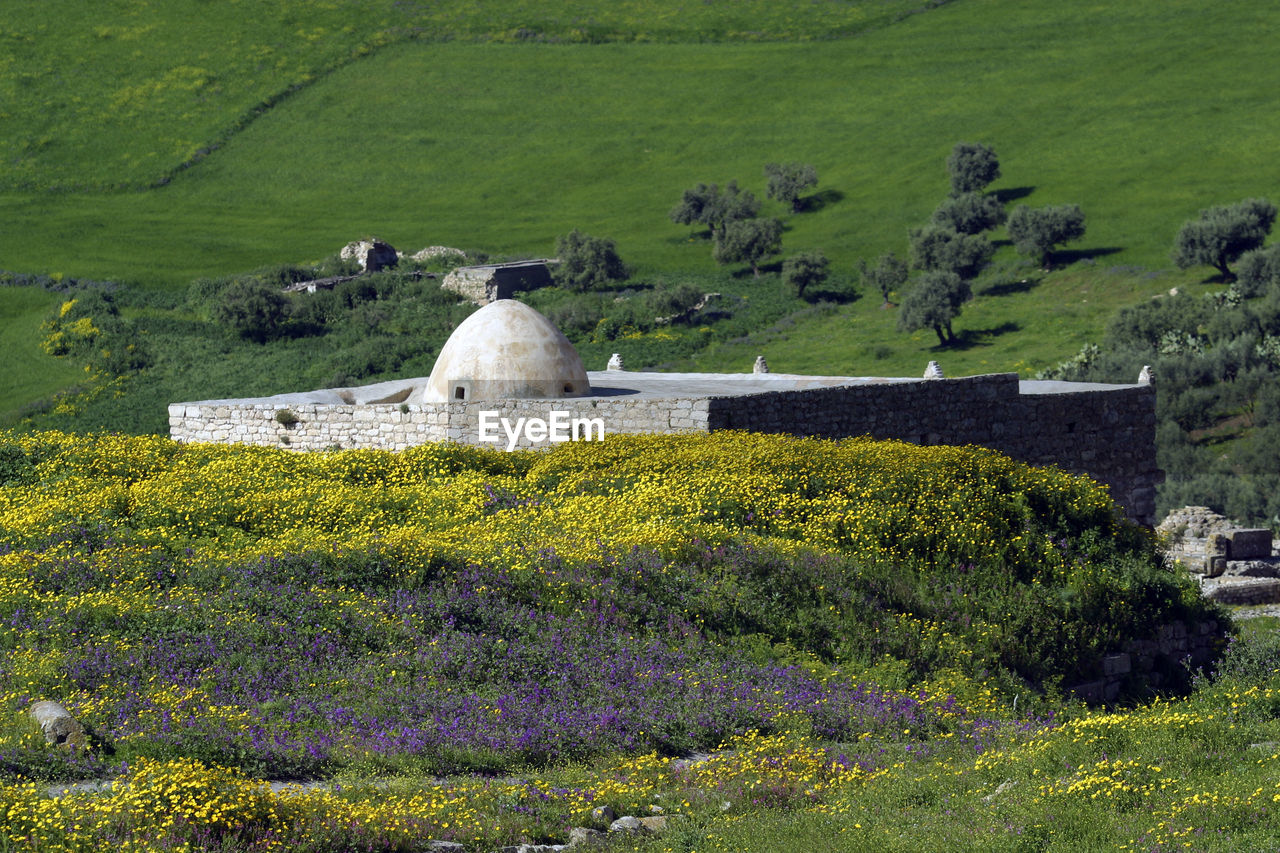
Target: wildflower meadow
{"x":756,"y":637}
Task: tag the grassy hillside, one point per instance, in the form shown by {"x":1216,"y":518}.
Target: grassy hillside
{"x":29,"y":373}
{"x":502,"y":147}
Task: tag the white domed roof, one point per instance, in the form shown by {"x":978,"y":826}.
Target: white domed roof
{"x":506,"y":350}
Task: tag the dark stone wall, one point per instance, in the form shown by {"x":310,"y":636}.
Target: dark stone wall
{"x":1106,"y":433}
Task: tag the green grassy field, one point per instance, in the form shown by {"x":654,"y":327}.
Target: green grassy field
{"x":502,"y":147}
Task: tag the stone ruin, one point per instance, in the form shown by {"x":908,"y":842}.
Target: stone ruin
{"x":1235,"y":564}
{"x":371,"y":255}
{"x":488,"y":283}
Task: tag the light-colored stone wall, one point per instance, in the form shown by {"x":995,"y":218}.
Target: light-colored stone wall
{"x":395,"y":427}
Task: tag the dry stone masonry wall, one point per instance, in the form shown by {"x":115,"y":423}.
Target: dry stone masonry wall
{"x":1106,"y":434}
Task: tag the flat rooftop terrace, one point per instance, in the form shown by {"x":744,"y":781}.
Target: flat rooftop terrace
{"x":648,"y":385}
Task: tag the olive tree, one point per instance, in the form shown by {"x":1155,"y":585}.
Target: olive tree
{"x":938,"y":249}
{"x":1222,"y":234}
{"x":971,"y":166}
{"x":933,"y":303}
{"x":1036,"y":231}
{"x":586,"y":262}
{"x":804,"y":269}
{"x":748,"y":241}
{"x":969,"y":213}
{"x":707,"y":204}
{"x":788,"y":180}
{"x":1259,"y":271}
{"x":889,"y":273}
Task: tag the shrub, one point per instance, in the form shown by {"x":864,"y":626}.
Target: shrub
{"x":587,"y":263}
{"x":252,"y":310}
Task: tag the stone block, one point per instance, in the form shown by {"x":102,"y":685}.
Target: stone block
{"x":1251,"y":544}
{"x":1118,"y":664}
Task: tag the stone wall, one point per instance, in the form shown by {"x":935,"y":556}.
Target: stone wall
{"x":1107,"y":434}
{"x":1165,"y":659}
{"x":397,"y":426}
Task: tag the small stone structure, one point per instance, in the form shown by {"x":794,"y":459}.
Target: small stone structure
{"x":490,"y":282}
{"x":1236,"y":564}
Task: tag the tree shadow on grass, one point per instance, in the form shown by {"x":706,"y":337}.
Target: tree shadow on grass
{"x":840,"y":296}
{"x":765,"y":269}
{"x":1005,"y":288}
{"x":690,"y":237}
{"x":1013,"y":193}
{"x":967,"y":339}
{"x":1066,"y":257}
{"x":820,"y":200}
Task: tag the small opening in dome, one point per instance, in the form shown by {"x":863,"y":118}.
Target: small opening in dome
{"x":568,"y":388}
{"x":460,"y":393}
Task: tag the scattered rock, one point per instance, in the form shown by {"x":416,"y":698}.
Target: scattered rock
{"x":604,"y":814}
{"x":627,"y":824}
{"x":581,"y":836}
{"x":372,"y":254}
{"x":433,"y":252}
{"x":1000,"y":789}
{"x":445,"y":846}
{"x":58,"y":726}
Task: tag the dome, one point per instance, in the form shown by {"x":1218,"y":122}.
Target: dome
{"x":506,"y":350}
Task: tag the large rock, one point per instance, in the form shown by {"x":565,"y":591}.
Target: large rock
{"x":59,"y":727}
{"x":372,"y":254}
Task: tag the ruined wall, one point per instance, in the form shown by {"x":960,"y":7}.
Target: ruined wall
{"x":490,"y":282}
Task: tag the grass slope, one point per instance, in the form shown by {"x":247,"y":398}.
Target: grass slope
{"x":504,"y":146}
{"x":122,"y":94}
{"x":28,"y":373}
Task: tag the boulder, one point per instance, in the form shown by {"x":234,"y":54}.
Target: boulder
{"x":59,"y":727}
{"x":372,"y":254}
